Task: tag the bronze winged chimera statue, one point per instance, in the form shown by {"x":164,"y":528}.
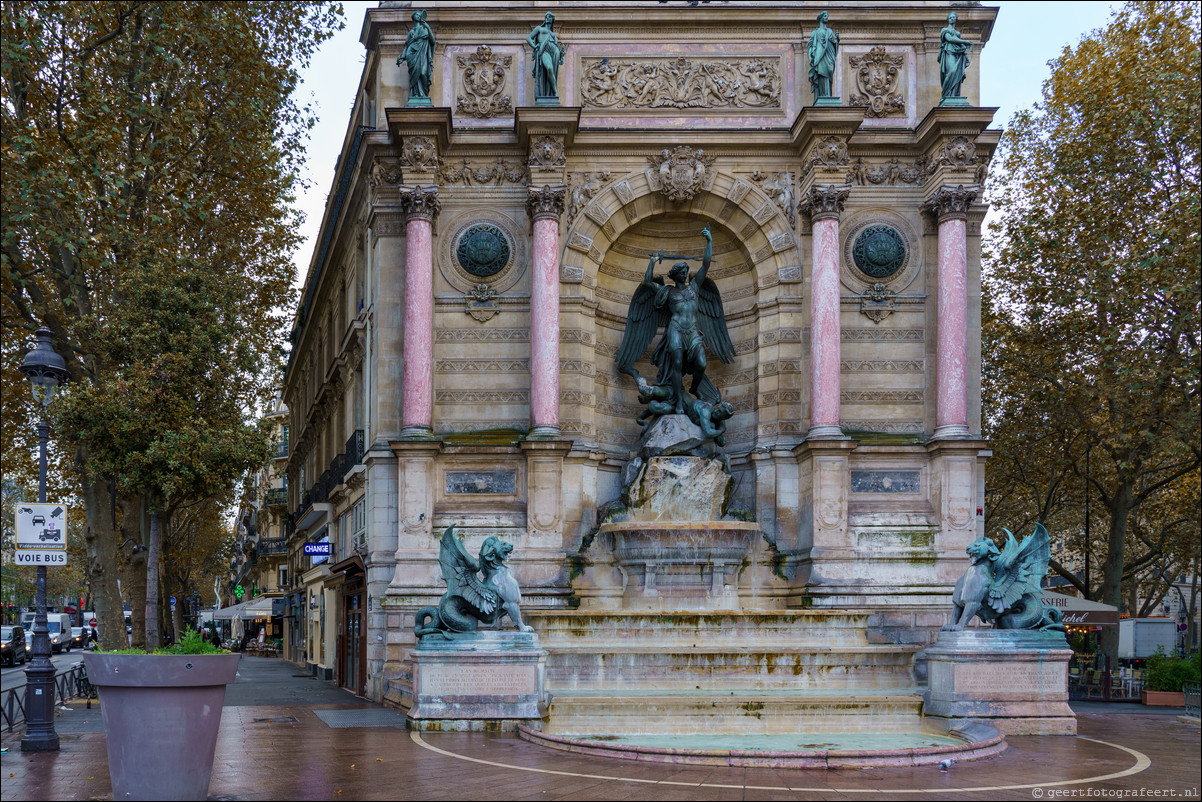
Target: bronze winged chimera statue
{"x":478,"y":592}
{"x":1002,"y":587}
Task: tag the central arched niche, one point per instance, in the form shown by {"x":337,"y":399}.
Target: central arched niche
{"x":619,"y":275}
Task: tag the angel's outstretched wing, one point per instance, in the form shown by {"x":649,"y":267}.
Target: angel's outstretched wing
{"x":713,"y":321}
{"x":642,"y":321}
{"x":460,"y":572}
{"x":1018,"y":569}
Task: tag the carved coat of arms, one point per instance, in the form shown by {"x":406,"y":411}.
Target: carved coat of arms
{"x":681,"y":172}
{"x":484,"y":84}
{"x":877,"y":75}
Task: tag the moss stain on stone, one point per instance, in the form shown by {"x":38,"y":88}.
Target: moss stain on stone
{"x":484,"y":437}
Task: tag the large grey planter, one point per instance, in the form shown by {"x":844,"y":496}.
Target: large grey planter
{"x":161,"y":715}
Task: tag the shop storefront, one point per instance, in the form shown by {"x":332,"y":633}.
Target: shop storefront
{"x":1091,"y":676}
{"x":350,"y":635}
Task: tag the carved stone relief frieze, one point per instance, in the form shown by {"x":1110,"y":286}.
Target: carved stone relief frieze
{"x":384,"y":172}
{"x":981,"y":173}
{"x":681,"y":83}
{"x":483,"y":80}
{"x":582,"y":187}
{"x":779,"y":187}
{"x":877,"y":77}
{"x":493,"y":173}
{"x":888,"y":173}
{"x":681,"y":173}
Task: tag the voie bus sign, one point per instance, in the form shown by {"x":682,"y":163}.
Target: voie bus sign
{"x":41,"y":537}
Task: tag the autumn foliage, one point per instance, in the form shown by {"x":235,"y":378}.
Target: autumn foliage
{"x":1091,"y":321}
{"x":150,"y":156}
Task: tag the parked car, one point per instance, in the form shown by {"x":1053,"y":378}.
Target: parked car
{"x":12,"y":646}
{"x":80,"y":637}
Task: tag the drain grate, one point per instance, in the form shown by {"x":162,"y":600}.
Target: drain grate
{"x":277,"y":720}
{"x":304,"y":676}
{"x":362,"y":717}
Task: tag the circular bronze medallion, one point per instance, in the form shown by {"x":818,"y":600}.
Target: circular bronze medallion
{"x":879,"y":251}
{"x":482,"y":250}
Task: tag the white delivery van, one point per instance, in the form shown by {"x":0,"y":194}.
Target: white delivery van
{"x":59,"y":625}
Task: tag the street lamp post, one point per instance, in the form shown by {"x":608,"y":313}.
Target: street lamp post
{"x":46,"y":370}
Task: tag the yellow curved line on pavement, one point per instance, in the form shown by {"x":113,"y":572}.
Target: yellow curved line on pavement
{"x":1142,"y":762}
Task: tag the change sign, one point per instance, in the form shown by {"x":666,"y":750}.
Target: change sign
{"x":41,"y":534}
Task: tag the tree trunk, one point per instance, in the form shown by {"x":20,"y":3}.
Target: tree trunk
{"x":154,"y":637}
{"x":133,"y":528}
{"x":177,"y":614}
{"x":1112,"y":569}
{"x":101,"y":543}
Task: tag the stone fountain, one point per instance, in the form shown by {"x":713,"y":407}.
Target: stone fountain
{"x":682,"y":651}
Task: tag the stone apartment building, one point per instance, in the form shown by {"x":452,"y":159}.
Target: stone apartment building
{"x":846,"y":248}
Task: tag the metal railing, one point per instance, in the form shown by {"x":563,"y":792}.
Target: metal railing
{"x":281,"y":449}
{"x":353,"y":454}
{"x":1191,"y":692}
{"x":270,"y":546}
{"x":68,"y":684}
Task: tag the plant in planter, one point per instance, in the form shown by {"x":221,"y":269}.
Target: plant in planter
{"x":161,"y":714}
{"x":1165,"y":676}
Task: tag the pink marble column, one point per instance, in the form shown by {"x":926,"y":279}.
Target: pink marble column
{"x":950,"y":206}
{"x":545,"y":205}
{"x":421,"y":205}
{"x":823,"y":204}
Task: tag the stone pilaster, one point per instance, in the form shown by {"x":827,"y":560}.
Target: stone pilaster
{"x":421,"y":206}
{"x":545,"y":205}
{"x":823,"y":205}
{"x":949,"y":205}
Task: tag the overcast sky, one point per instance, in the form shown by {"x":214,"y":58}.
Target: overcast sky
{"x":1013,"y":68}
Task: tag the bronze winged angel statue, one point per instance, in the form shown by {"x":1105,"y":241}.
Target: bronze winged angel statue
{"x":691,"y":315}
{"x":478,"y":591}
{"x":1003,"y":586}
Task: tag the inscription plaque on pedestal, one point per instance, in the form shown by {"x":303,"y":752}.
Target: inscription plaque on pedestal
{"x":489,"y":680}
{"x":1015,"y":680}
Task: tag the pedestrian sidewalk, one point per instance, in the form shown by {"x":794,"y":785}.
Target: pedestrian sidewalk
{"x":286,"y":735}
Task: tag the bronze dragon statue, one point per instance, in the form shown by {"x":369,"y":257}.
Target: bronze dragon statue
{"x":478,"y":591}
{"x":1002,"y":587}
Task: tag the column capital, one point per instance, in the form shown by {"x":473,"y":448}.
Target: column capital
{"x":820,"y":202}
{"x":546,"y":202}
{"x":420,"y":202}
{"x":950,"y":202}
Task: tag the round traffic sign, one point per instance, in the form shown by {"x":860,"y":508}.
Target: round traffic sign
{"x":92,"y":622}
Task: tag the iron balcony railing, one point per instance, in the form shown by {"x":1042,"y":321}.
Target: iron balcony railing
{"x":273,"y":546}
{"x":281,"y":449}
{"x":354,"y":451}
